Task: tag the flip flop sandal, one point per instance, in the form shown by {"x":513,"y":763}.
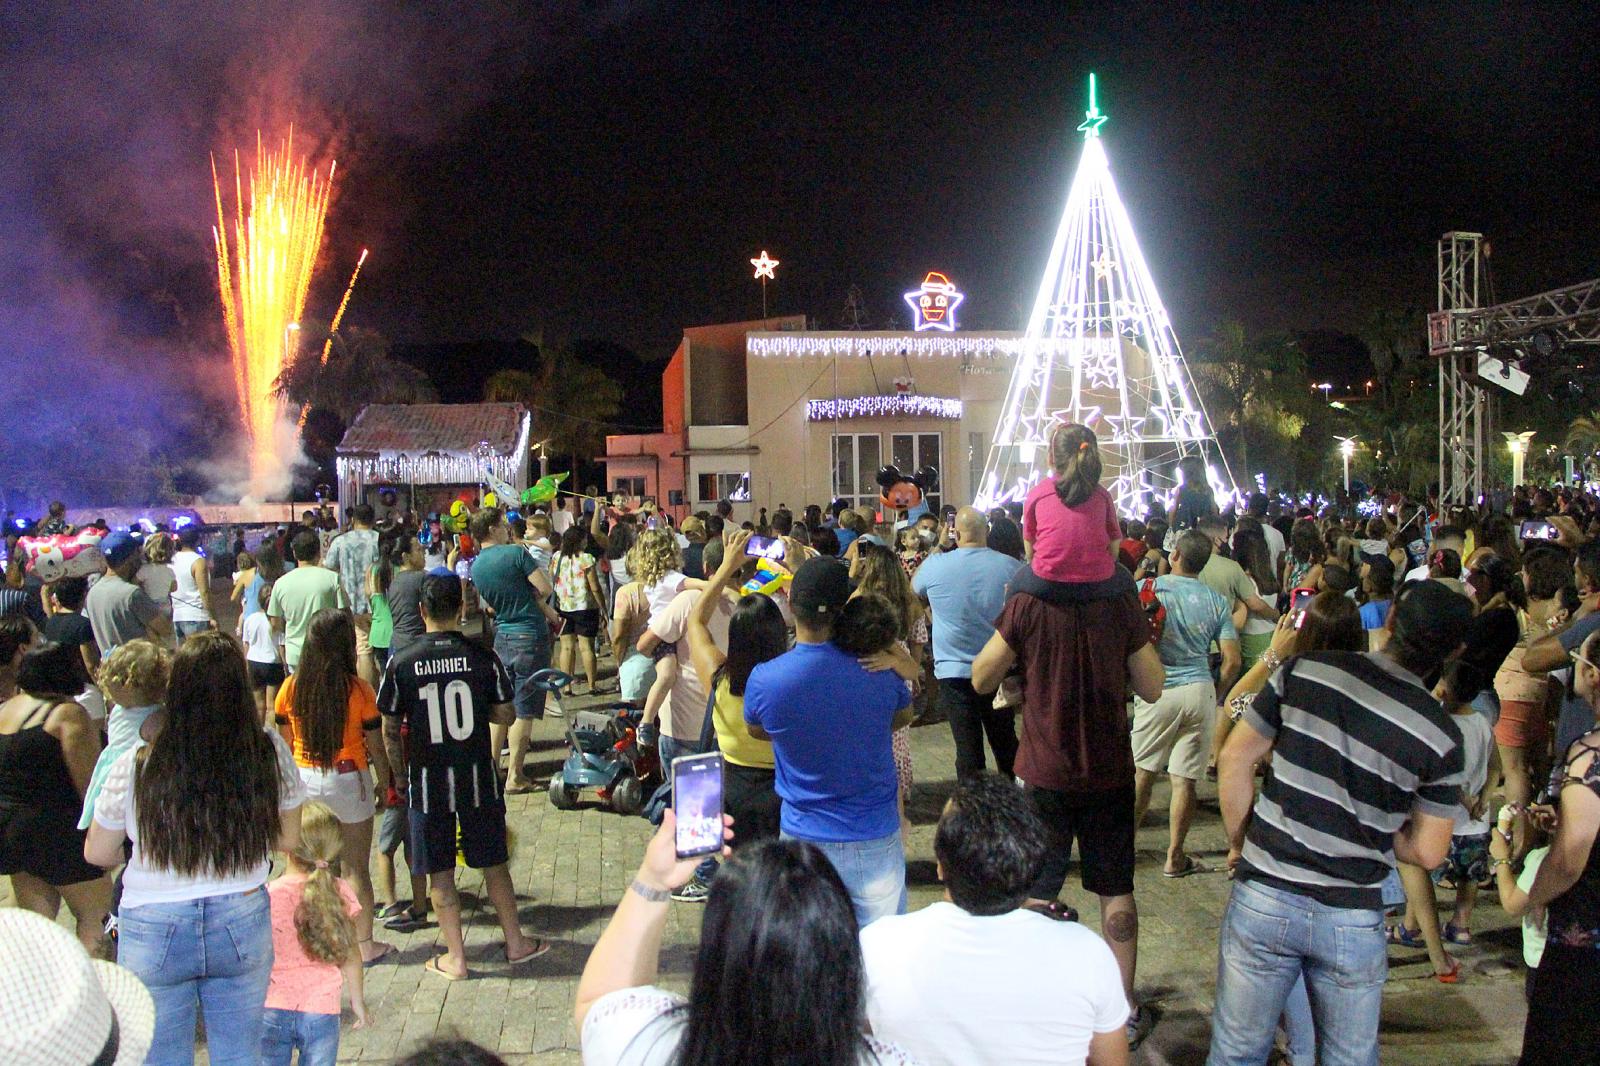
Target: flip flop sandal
{"x":1451,"y":978}
{"x":392,"y":910}
{"x":1455,"y":935}
{"x":388,"y":949}
{"x":432,"y":966}
{"x":1189,"y":867}
{"x":1399,"y":934}
{"x":407,"y":921}
{"x":540,"y":947}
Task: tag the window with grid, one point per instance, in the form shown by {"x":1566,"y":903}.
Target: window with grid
{"x":856,"y":459}
{"x":714,"y":487}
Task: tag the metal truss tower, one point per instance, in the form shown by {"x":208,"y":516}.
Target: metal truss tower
{"x":1100,"y":350}
{"x":1463,"y":404}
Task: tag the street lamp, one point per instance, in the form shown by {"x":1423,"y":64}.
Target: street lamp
{"x":1518,"y":443}
{"x":1347,"y":448}
{"x":1327,"y":388}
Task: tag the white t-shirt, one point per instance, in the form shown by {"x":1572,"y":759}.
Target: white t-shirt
{"x":643,"y":1027}
{"x":1018,"y":988}
{"x":1274,"y":545}
{"x":1476,"y":738}
{"x":260,"y":642}
{"x":187,"y":606}
{"x":662,"y":592}
{"x":115,"y":808}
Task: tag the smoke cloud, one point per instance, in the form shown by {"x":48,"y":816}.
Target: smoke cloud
{"x":116,"y":375}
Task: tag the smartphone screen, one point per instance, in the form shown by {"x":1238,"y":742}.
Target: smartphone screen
{"x":697,"y":804}
{"x":650,"y":523}
{"x":764,"y":548}
{"x":1539,"y":531}
{"x":1299,"y":600}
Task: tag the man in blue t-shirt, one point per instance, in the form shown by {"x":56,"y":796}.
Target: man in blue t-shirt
{"x":966,"y":588}
{"x":1173,"y":734}
{"x":829,"y":719}
{"x":512,"y":586}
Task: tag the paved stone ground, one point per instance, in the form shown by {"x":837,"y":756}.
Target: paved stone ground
{"x":571,"y":867}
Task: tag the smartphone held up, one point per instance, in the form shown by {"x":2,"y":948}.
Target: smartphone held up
{"x":697,"y":804}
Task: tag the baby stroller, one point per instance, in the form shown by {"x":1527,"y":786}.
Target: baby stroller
{"x":603,"y":754}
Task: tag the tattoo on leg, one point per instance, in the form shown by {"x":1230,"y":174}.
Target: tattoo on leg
{"x":1122,"y":927}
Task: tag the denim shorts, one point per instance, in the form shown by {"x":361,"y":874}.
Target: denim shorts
{"x":523,"y":655}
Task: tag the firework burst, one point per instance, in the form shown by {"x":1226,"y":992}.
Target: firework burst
{"x":263,"y":275}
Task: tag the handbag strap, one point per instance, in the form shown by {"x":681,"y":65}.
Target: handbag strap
{"x":708,"y":726}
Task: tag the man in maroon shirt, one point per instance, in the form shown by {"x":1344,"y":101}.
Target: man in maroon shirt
{"x":1078,"y":661}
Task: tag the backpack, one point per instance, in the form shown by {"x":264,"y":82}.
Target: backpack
{"x":1155,"y":611}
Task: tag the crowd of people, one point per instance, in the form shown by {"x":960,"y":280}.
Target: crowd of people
{"x":1391,"y":705}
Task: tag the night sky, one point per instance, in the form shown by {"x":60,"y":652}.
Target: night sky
{"x":605,"y":171}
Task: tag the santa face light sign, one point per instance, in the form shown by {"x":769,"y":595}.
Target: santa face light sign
{"x":933,"y":306}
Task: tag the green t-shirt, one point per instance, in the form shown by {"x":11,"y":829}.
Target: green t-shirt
{"x":298,"y":595}
{"x":382,"y":621}
{"x":500,"y":573}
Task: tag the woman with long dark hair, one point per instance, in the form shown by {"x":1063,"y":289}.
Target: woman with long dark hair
{"x":329,"y":716}
{"x":48,"y":748}
{"x":778,"y":976}
{"x":403,"y":590}
{"x":756,"y":634}
{"x":204,"y":804}
{"x":576,"y":574}
{"x":1250,"y":551}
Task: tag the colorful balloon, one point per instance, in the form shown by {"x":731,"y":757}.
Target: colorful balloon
{"x":544,"y":490}
{"x":65,"y":554}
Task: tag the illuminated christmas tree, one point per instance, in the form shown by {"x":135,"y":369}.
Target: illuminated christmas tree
{"x":1100,"y":351}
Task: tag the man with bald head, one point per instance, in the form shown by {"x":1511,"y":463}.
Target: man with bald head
{"x":966,"y":587}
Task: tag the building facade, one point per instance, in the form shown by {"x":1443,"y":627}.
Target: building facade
{"x":768,"y":413}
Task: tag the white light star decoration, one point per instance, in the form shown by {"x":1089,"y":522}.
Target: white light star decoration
{"x":765,"y":265}
{"x":1100,"y":350}
{"x":933,"y":304}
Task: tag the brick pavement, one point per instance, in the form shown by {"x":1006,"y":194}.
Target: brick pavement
{"x":571,"y":867}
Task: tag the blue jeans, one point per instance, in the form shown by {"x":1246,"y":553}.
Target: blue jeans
{"x":524,"y":654}
{"x":873,"y":872}
{"x":214,"y":954}
{"x":1272,"y":938}
{"x":1297,"y":1023}
{"x":316,"y":1035}
{"x":185,"y":630}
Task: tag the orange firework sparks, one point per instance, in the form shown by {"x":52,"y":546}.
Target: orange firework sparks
{"x":333,"y":328}
{"x":263,"y":277}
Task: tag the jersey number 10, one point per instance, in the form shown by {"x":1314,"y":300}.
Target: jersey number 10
{"x":456,"y":713}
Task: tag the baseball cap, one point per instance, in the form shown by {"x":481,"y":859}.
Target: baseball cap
{"x":58,"y":1007}
{"x":820,"y":586}
{"x":119,"y":547}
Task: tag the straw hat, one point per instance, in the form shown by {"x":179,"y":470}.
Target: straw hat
{"x":58,"y":1007}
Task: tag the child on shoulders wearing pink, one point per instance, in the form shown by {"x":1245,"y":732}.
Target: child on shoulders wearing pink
{"x":1069,"y":520}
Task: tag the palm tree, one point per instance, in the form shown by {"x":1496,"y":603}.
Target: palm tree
{"x":1583,"y":435}
{"x":573,"y":402}
{"x":358,"y":372}
{"x":1252,"y":388}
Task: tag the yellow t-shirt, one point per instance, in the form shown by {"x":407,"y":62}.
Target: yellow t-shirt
{"x":733,"y":736}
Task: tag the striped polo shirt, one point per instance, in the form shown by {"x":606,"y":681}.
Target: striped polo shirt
{"x":1359,"y":743}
